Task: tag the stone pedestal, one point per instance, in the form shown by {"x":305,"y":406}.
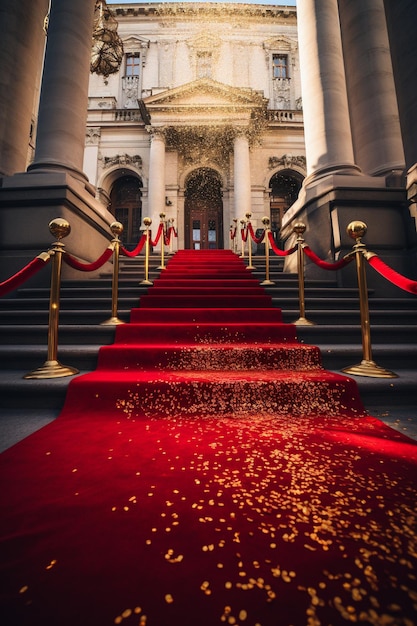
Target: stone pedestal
{"x":28,"y":202}
{"x":329,"y":205}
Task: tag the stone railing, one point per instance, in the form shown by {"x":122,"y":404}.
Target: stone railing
{"x":285,"y":116}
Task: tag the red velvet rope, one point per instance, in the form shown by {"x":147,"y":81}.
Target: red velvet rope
{"x":24,"y":274}
{"x":277,"y":250}
{"x":338,"y":265}
{"x":88,"y":267}
{"x":137,"y":250}
{"x":158,"y":235}
{"x":244,"y":234}
{"x":167,"y":236}
{"x":394,"y":277}
{"x":256,"y":239}
{"x":233,"y":233}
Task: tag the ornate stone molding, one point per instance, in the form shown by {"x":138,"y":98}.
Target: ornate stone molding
{"x":134,"y":45}
{"x":92,"y":137}
{"x":123,"y":159}
{"x":287,"y":161}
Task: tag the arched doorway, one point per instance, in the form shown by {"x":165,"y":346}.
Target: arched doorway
{"x":126,"y":206}
{"x":203,"y":210}
{"x":285,"y":187}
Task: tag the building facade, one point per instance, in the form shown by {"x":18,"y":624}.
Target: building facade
{"x":203,"y":121}
{"x":216,"y":111}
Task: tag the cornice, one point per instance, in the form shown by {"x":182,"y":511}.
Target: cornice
{"x":169,"y":11}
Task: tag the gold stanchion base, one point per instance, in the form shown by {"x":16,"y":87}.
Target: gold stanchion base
{"x":112,"y":321}
{"x":303,"y":321}
{"x":369,"y":368}
{"x":52,"y":369}
{"x":146,"y":282}
{"x":267,"y":282}
{"x":250,"y":267}
{"x":161,"y":267}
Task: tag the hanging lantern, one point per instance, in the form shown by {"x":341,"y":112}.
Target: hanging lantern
{"x":107,"y":48}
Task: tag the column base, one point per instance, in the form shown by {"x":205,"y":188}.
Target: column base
{"x":328,"y":205}
{"x":29,"y":201}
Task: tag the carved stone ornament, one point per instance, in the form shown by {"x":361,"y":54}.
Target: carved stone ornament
{"x":123,"y":159}
{"x":288,"y":161}
{"x":93,"y":136}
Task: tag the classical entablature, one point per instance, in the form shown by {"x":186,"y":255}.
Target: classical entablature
{"x":201,"y":119}
{"x":207,"y":103}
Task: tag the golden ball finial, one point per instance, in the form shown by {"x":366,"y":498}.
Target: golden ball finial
{"x":265,"y":220}
{"x":147,"y":221}
{"x":60,"y":228}
{"x":116,"y":228}
{"x":299,"y":228}
{"x":162,"y":216}
{"x":356,"y":230}
{"x":248,"y":216}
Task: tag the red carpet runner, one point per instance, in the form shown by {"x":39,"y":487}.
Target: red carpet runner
{"x":209,"y":472}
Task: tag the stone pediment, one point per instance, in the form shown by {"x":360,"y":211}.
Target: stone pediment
{"x":203,"y":99}
{"x":281,"y":43}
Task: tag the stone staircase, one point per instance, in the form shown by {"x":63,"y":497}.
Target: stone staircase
{"x":85,"y":304}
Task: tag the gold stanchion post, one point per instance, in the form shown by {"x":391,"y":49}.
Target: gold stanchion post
{"x":52,"y":368}
{"x":249,"y":266}
{"x":147,"y":222}
{"x":267,"y":281}
{"x":299,"y":229}
{"x":116,"y":229}
{"x":242,"y":227}
{"x":367,"y":367}
{"x":235,"y":238}
{"x":163,"y":222}
{"x":171,"y":220}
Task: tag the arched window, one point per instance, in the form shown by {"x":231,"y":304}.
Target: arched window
{"x":285,"y":187}
{"x":126,"y":206}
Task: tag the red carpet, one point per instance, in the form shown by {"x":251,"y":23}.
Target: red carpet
{"x":209,"y":472}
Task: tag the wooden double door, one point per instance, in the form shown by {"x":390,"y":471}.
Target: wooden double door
{"x":204,"y":227}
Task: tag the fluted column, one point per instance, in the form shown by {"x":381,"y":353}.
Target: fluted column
{"x":242,"y":180}
{"x":22,"y":43}
{"x":372,"y":100}
{"x":64,"y":93}
{"x":156,"y":184}
{"x":327,"y":130}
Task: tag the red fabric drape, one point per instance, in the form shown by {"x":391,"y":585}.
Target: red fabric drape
{"x":88,"y":267}
{"x":137,"y":250}
{"x":24,"y":274}
{"x":158,"y":235}
{"x":338,"y":265}
{"x":256,"y":239}
{"x":277,"y":250}
{"x":244,"y":234}
{"x":233,"y":233}
{"x":394,"y":277}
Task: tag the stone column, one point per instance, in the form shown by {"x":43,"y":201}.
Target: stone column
{"x":22,"y":43}
{"x":242,"y":180}
{"x":156,"y":183}
{"x":372,"y":99}
{"x":327,"y":130}
{"x":64,"y":93}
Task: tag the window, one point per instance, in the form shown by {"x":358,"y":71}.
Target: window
{"x":204,"y":64}
{"x":279,"y":66}
{"x":132,"y":64}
